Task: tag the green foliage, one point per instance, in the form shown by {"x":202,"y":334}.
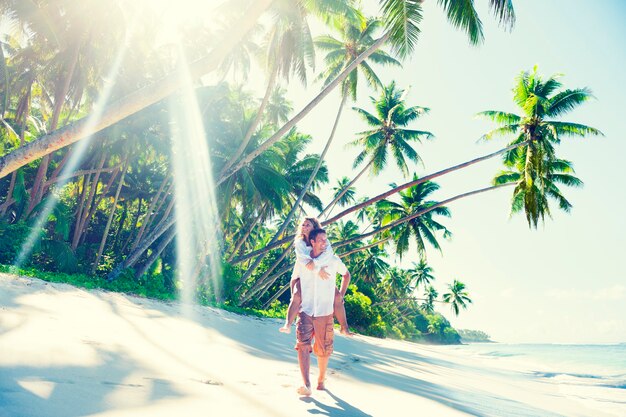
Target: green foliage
{"x":359,"y":310}
{"x":126,"y":283}
{"x":12,"y":237}
{"x":473,"y":335}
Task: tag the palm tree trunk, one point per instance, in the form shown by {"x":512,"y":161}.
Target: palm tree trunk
{"x":246,"y":140}
{"x":133,"y":102}
{"x":419,"y":181}
{"x":120,"y":226}
{"x":105,"y":234}
{"x":134,"y":226}
{"x":96,"y":203}
{"x":418,"y":213}
{"x":59,"y":101}
{"x":85,"y":212}
{"x":296,"y":205}
{"x":81,"y":205}
{"x":380,"y":197}
{"x":160,"y":206}
{"x":148,"y":215}
{"x":330,"y":206}
{"x":243,"y":239}
{"x":312,"y":104}
{"x":155,"y":254}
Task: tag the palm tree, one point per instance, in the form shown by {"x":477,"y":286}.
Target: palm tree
{"x":431,"y":295}
{"x":422,"y":228}
{"x":388,"y":132}
{"x":370,"y":265}
{"x":401,"y":21}
{"x":348,"y":195}
{"x":541,"y":102}
{"x":278,"y":108}
{"x":543,"y":187}
{"x":421,"y":274}
{"x":356,"y":38}
{"x":396,"y":284}
{"x":457,"y":297}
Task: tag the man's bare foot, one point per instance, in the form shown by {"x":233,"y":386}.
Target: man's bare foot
{"x":321,"y":386}
{"x":346,"y":332}
{"x":285,"y":329}
{"x":304,"y":390}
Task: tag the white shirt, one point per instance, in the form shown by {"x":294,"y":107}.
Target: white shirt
{"x":303,"y":255}
{"x":318,"y":295}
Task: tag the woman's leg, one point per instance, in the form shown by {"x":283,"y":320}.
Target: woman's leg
{"x":340,"y":314}
{"x":294,"y":306}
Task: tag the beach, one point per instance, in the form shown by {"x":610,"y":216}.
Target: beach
{"x":67,"y":352}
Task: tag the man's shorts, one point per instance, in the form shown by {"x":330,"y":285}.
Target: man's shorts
{"x":318,"y":328}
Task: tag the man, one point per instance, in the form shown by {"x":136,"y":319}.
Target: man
{"x":315,"y":320}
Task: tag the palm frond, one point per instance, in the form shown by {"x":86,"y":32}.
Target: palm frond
{"x":402,"y":19}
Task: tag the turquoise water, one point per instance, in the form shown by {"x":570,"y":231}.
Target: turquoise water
{"x":605,"y":364}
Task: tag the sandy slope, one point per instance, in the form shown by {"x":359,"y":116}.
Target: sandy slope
{"x":68,"y":352}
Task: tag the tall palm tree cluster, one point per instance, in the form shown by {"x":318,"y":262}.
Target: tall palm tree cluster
{"x":87,"y":182}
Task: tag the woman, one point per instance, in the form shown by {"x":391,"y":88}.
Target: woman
{"x":302,"y":247}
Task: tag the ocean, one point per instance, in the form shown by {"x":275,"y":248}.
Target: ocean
{"x":597,"y":365}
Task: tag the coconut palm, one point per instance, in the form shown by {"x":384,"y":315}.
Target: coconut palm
{"x":543,"y":188}
{"x":369,"y":266}
{"x":389,"y":132}
{"x":349,"y":194}
{"x":422,"y":228}
{"x":278,"y":108}
{"x":430,"y":295}
{"x":457,"y":297}
{"x":421,"y":274}
{"x":541,"y":101}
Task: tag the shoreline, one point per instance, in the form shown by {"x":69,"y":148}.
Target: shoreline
{"x":73,"y":352}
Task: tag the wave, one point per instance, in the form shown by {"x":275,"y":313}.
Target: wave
{"x":614,"y":381}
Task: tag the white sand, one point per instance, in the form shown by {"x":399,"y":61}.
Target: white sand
{"x":68,"y":352}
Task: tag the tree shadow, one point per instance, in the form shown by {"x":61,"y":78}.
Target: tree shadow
{"x":73,"y":391}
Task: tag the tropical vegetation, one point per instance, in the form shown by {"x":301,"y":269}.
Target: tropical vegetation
{"x":95,"y":136}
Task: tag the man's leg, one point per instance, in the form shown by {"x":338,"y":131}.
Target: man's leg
{"x":340,"y":313}
{"x":304,"y":336}
{"x":324,"y":345}
{"x":304,"y":360}
{"x":322,"y":363}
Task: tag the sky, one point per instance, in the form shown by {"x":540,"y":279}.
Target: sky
{"x":564,"y":282}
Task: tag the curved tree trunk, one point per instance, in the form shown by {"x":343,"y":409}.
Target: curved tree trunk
{"x":296,"y":205}
{"x":59,"y":101}
{"x":155,"y":254}
{"x":133,"y":102}
{"x":246,"y":140}
{"x":105,"y":234}
{"x":380,"y":197}
{"x":330,"y":206}
{"x":148,"y":215}
{"x":312,"y":104}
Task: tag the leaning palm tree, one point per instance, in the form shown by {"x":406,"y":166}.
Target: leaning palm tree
{"x":541,"y":102}
{"x":422,"y":228}
{"x":357,"y":39}
{"x":388,"y":134}
{"x":401,"y":21}
{"x":533,"y":194}
{"x":457,"y":297}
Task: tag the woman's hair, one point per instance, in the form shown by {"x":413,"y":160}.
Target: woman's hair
{"x":316,"y":225}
